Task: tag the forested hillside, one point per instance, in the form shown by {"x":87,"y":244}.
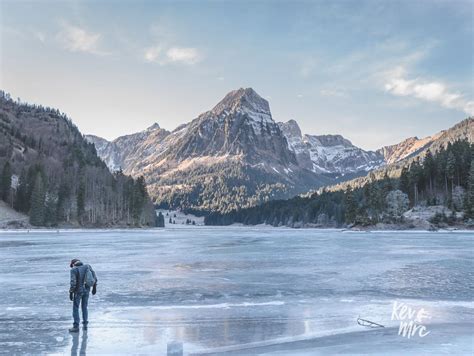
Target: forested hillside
{"x":445,"y":177}
{"x":50,"y":172}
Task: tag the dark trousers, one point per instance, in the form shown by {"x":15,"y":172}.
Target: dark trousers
{"x":82,"y":299}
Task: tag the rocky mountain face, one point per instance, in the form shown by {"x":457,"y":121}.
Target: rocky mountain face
{"x":335,"y":154}
{"x":235,"y":155}
{"x":125,"y":150}
{"x":241,"y":124}
{"x":231,"y":156}
{"x":413,"y":146}
{"x":412,"y":149}
{"x":329,"y":153}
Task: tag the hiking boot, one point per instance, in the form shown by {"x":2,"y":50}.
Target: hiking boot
{"x":74,"y":329}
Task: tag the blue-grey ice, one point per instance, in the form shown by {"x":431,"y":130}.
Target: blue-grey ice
{"x":238,"y":290}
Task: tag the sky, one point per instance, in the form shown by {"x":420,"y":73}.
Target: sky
{"x":376,"y":72}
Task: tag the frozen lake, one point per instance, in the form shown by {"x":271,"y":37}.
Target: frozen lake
{"x":238,"y":290}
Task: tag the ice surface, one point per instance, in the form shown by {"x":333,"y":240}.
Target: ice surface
{"x":237,"y":290}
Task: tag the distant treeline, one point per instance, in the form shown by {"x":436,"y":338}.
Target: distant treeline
{"x":50,"y":172}
{"x":445,"y":177}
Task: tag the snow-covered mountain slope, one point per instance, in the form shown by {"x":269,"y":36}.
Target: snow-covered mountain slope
{"x":335,"y":154}
{"x":329,"y":153}
{"x":230,"y":156}
{"x":125,"y":150}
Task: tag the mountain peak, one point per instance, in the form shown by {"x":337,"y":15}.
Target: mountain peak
{"x":155,"y":126}
{"x":290,"y":129}
{"x":243,"y":99}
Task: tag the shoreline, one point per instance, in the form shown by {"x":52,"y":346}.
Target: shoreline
{"x":237,"y":226}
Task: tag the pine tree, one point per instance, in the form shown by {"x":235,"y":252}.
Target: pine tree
{"x":37,"y":210}
{"x":21,"y":202}
{"x":469,"y":208}
{"x":6,"y":182}
{"x":63,"y":194}
{"x":415,"y":175}
{"x":430,"y":168}
{"x":451,"y":168}
{"x":160,"y":221}
{"x":139,"y":196}
{"x":404,"y":183}
{"x":351,"y":206}
{"x":50,"y":214}
{"x":81,"y":201}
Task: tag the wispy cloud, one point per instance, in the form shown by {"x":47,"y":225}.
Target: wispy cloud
{"x":164,"y":49}
{"x":152,"y":54}
{"x":398,"y":84}
{"x":183,"y":55}
{"x":78,"y":39}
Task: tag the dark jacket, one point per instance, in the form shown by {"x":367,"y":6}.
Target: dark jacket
{"x":79,"y":270}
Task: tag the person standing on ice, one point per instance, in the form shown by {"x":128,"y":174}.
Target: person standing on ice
{"x":83,"y":278}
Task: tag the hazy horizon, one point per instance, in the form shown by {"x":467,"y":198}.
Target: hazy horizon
{"x":373,"y":72}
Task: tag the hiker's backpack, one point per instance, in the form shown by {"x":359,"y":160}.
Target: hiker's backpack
{"x":89,"y":279}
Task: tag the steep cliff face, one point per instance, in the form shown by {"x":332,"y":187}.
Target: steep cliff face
{"x":329,"y":153}
{"x":240,"y":124}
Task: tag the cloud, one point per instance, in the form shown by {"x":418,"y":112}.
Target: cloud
{"x":163,"y":49}
{"x":77,"y":39}
{"x":152,"y":54}
{"x":183,"y":55}
{"x":398,"y":84}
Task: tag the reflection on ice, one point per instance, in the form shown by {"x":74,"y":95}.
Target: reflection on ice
{"x":236,"y":290}
{"x":75,"y":344}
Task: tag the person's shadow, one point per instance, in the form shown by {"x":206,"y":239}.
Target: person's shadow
{"x":75,"y":344}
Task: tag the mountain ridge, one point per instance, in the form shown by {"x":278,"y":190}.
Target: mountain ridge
{"x":239,"y":135}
